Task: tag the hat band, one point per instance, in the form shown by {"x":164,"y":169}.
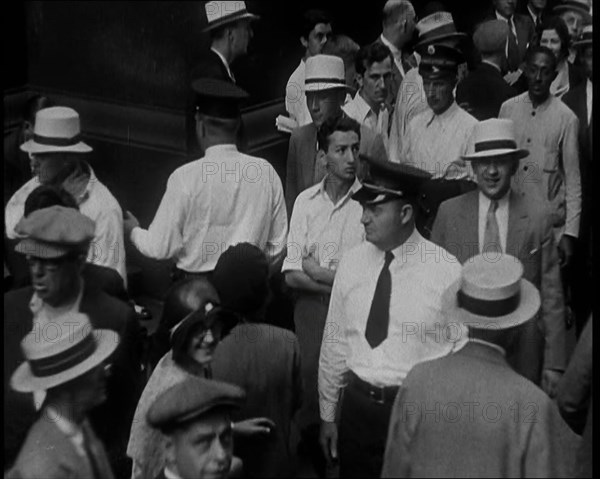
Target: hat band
{"x":572,"y":4}
{"x":436,"y":32}
{"x":53,"y":141}
{"x":228,"y":18}
{"x":65,"y":360}
{"x":495,"y":145}
{"x":337,"y":81}
{"x":492,"y":309}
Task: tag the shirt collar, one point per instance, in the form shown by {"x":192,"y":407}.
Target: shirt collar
{"x":395,"y":51}
{"x":220,"y":55}
{"x":532,"y":15}
{"x":542,"y":106}
{"x":362,"y":107}
{"x":64,"y":424}
{"x":169,"y":474}
{"x":507,"y":20}
{"x":500,"y":349}
{"x":484,"y":201}
{"x":446,"y":116}
{"x":492,"y":64}
{"x":407,"y":248}
{"x":44,"y":312}
{"x":220,"y":149}
{"x":321,"y":189}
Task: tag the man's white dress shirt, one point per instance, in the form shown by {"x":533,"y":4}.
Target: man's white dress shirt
{"x":418,"y":331}
{"x":215,"y":202}
{"x":295,"y":96}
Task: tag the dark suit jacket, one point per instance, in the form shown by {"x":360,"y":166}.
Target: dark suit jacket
{"x":211,"y":66}
{"x":48,"y":453}
{"x":265,"y":361}
{"x":469,"y":414}
{"x":123,"y":387}
{"x":525,"y":34}
{"x":302,"y":154}
{"x":484,"y":89}
{"x":576,"y":100}
{"x":530,"y":239}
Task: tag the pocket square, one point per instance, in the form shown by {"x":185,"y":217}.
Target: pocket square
{"x":534,"y":251}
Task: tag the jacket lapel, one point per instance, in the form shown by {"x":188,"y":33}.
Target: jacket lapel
{"x":469,"y":229}
{"x":517,"y":224}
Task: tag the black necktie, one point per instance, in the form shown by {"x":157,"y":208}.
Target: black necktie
{"x":513,"y":48}
{"x":379,"y":315}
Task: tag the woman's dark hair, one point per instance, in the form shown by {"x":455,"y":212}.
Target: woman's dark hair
{"x":559,"y":26}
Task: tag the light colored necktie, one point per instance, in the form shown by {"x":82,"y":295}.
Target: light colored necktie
{"x":491,"y":235}
{"x":383,"y":120}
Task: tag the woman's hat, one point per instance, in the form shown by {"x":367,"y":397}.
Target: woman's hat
{"x":221,"y":13}
{"x":437,"y":27}
{"x":58,"y":352}
{"x":491,"y":293}
{"x":495,"y":137}
{"x":56,"y":129}
{"x":324,"y":72}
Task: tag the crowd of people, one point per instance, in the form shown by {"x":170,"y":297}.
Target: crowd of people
{"x":432,"y":235}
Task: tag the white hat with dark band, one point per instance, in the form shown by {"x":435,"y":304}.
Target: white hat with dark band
{"x":324,"y":72}
{"x":493,"y":138}
{"x":221,"y":13}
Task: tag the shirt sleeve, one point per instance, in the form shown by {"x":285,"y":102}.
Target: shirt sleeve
{"x":164,"y":238}
{"x":291,"y":181}
{"x":276,"y":241}
{"x":332,"y":360}
{"x":570,"y":159}
{"x":15,"y":208}
{"x":297,"y":238}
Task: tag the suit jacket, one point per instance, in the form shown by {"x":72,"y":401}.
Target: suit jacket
{"x":264,"y":360}
{"x":484,"y":89}
{"x":576,"y":100}
{"x":49,"y":454}
{"x":530,"y":239}
{"x":525,"y":34}
{"x":470,"y":415}
{"x":302,"y":170}
{"x":123,"y":386}
{"x":211,"y":66}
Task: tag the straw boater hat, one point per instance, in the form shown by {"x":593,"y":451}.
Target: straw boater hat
{"x":580,"y":6}
{"x":586,"y":37}
{"x":56,"y":129}
{"x":491,"y":294}
{"x":77,"y":349}
{"x":221,"y":13}
{"x":495,"y":137}
{"x":437,"y":27}
{"x":325,"y":72}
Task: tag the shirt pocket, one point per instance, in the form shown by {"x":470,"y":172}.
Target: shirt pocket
{"x":554,"y":189}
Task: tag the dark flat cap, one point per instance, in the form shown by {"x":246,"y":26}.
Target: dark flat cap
{"x":491,"y":36}
{"x":386,"y":181}
{"x":439,"y":61}
{"x":54,"y":232}
{"x":190,"y":400}
{"x":218,"y":98}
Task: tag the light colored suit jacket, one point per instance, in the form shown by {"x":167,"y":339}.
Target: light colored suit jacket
{"x":49,"y":454}
{"x":469,"y":414}
{"x":530,"y":239}
{"x":302,"y":169}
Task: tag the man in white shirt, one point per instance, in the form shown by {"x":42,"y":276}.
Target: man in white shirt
{"x":384,"y":317}
{"x":316,"y":30}
{"x":437,"y":138}
{"x":220,"y":200}
{"x":325,"y":224}
{"x":374,"y":76}
{"x":496,"y":220}
{"x":398,"y":29}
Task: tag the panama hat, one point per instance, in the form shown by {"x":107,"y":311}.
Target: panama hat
{"x":586,"y":37}
{"x":324,"y":72}
{"x":495,"y":137}
{"x":221,"y":13}
{"x":580,"y":6}
{"x":491,"y":294}
{"x":75,"y":349}
{"x":437,"y":27}
{"x":56,"y":129}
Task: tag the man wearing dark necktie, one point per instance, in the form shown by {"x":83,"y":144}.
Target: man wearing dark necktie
{"x":384,"y":317}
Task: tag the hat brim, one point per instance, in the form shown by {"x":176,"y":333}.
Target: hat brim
{"x":326,"y":86}
{"x":446,"y":36}
{"x":529,"y":306}
{"x":23,"y":380}
{"x":31,"y":146}
{"x":482,"y":155}
{"x":566,"y":8}
{"x":227,"y":20}
{"x":366,"y":195}
{"x":583,"y":43}
{"x":37,"y":249}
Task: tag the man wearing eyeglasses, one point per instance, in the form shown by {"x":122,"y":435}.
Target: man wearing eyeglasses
{"x":55,"y":241}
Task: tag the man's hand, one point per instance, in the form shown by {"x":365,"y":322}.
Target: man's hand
{"x":512,"y":77}
{"x":550,"y":379}
{"x":310,"y":261}
{"x":566,"y":249}
{"x":255,"y":425}
{"x":329,"y":440}
{"x":129,"y":222}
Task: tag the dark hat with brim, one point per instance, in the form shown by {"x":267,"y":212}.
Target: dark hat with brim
{"x":579,"y":6}
{"x":387,"y":181}
{"x":440,"y":61}
{"x":190,"y":400}
{"x":221,"y":13}
{"x":218,"y":98}
{"x":435,"y":28}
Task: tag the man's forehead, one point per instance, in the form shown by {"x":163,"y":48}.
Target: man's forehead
{"x":322,"y":28}
{"x":571,"y":15}
{"x":207,"y":425}
{"x":340,"y":138}
{"x":382,"y":66}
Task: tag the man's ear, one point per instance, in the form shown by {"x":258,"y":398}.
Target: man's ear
{"x":322,"y":156}
{"x":169,"y":452}
{"x":304,"y":42}
{"x":359,"y":80}
{"x":407,"y":213}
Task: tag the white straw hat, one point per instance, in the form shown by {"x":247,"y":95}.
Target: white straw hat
{"x":324,"y":72}
{"x":495,"y":137}
{"x":221,"y":13}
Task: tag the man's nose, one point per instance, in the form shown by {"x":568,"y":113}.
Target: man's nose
{"x":218,"y":451}
{"x":36,"y":268}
